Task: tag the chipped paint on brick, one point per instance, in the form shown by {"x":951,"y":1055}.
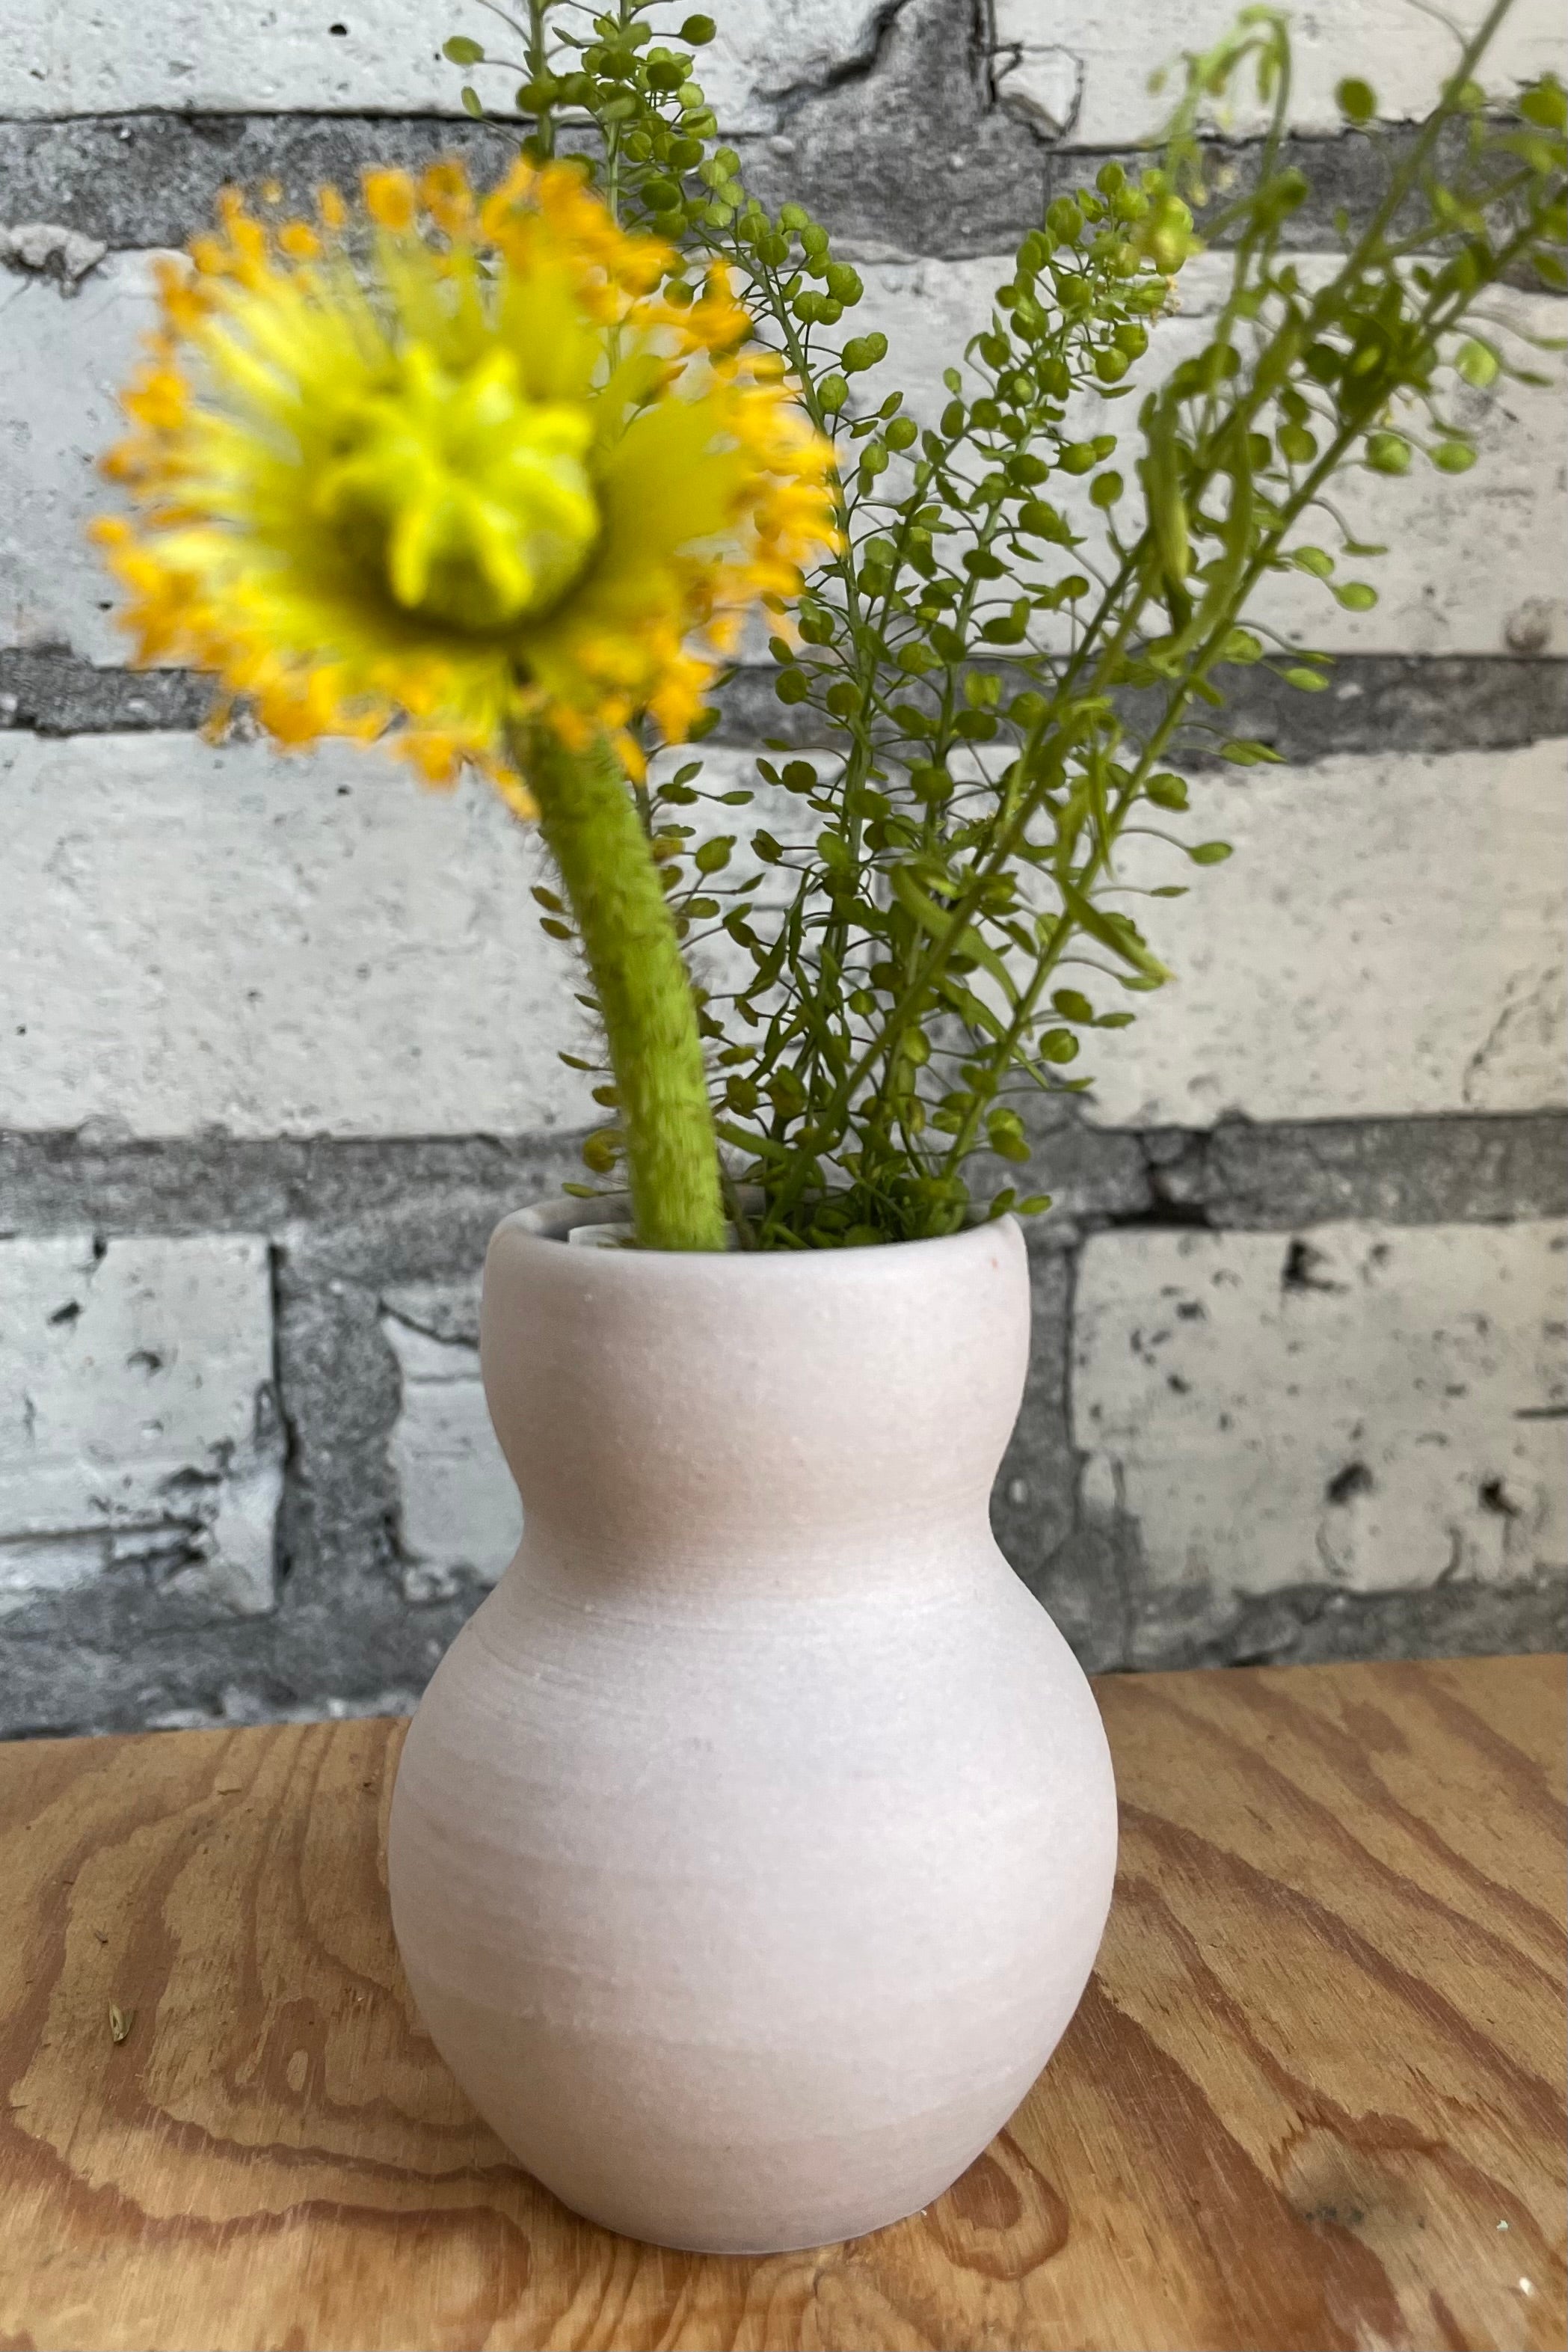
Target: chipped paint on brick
{"x":138,"y":1430}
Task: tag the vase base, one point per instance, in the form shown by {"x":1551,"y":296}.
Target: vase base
{"x":757,"y":2247}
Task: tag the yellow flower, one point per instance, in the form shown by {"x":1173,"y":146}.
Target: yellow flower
{"x":467,"y":470}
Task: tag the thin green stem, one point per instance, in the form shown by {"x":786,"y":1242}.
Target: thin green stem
{"x":592,"y":831}
{"x":537,"y":55}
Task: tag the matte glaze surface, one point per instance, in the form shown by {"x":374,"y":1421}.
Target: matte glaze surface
{"x":752,"y":1845}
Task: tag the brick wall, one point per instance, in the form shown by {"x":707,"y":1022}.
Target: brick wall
{"x":279,"y":1038}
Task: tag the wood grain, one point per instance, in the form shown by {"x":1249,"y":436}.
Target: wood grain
{"x":1313,"y":2098}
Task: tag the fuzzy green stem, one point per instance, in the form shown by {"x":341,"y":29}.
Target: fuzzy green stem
{"x":591,"y":828}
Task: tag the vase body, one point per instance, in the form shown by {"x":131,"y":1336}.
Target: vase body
{"x":752,"y":1844}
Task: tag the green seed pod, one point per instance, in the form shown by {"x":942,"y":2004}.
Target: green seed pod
{"x":930,"y":783}
{"x":1167,"y":236}
{"x":1388,"y":453}
{"x":601,"y":1151}
{"x":1478,"y":363}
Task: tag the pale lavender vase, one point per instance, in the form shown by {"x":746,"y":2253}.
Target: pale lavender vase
{"x":752,"y":1845}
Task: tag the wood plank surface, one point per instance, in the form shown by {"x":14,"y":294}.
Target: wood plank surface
{"x":1313,"y":2097}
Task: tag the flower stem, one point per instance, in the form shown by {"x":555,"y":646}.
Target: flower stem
{"x":591,"y":828}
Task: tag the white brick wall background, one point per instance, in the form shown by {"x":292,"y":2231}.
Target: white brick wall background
{"x":91,"y":58}
{"x":385,"y":58}
{"x":277,"y":1037}
{"x":139,"y":1434}
{"x":203,"y":937}
{"x":1386,"y":940}
{"x":389,"y":976}
{"x":1500,"y":537}
{"x":1367,"y":1404}
{"x":461,"y":1516}
{"x":1505,"y":531}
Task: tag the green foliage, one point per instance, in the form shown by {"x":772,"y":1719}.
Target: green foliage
{"x":1037,"y":596}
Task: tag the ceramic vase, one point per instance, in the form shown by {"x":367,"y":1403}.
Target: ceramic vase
{"x":752,"y":1844}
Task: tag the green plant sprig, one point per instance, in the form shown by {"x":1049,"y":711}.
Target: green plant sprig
{"x":971,"y":649}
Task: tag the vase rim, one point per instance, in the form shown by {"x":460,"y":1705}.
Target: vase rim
{"x":552,"y":1219}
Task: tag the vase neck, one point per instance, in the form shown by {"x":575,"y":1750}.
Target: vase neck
{"x":824,"y":1422}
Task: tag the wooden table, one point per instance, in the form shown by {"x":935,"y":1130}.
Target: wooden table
{"x":1313,"y":2097}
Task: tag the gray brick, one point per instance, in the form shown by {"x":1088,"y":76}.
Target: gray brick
{"x":57,"y":693}
{"x":1399,"y":1171}
{"x":1378,"y":702}
{"x":1032,"y":1503}
{"x":139,"y":179}
{"x":451,"y":1191}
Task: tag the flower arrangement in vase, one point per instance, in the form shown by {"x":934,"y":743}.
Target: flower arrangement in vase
{"x":753,"y":1843}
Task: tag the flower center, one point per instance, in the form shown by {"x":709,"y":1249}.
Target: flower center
{"x":473,"y":501}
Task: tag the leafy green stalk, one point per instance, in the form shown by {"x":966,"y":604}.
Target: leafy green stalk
{"x":1032,"y":613}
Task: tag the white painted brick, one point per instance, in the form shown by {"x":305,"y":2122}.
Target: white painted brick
{"x":1385,"y":942}
{"x":459,"y":1515}
{"x":1115,"y":49}
{"x":97,"y":57}
{"x":197,"y":937}
{"x":62,"y":359}
{"x":94,"y":56}
{"x":1367,"y":1424}
{"x":193,"y":937}
{"x":1470,"y":560}
{"x":137,"y":1429}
